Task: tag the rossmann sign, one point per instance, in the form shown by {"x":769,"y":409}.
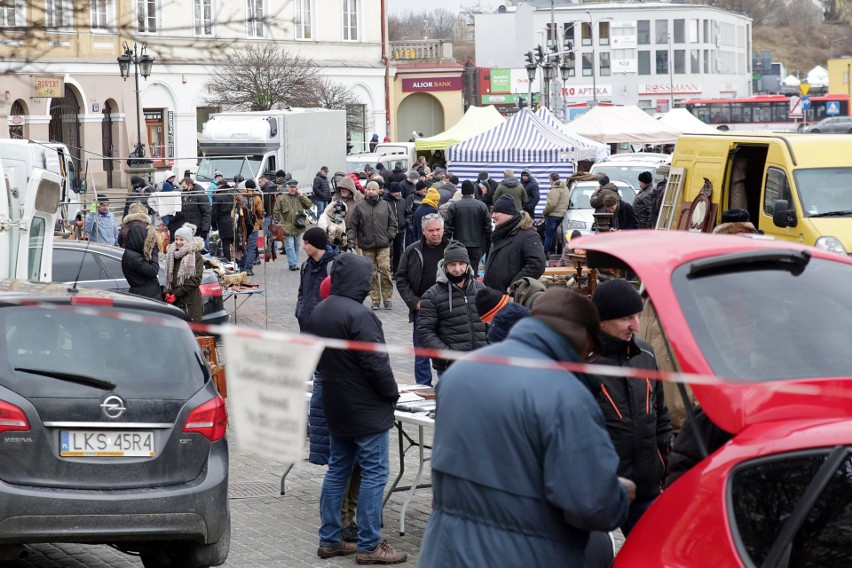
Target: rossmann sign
{"x":667,"y":88}
{"x":432,"y":84}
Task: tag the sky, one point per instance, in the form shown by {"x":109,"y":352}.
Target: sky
{"x":451,"y":5}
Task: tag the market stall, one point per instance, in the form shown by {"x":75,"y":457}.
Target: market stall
{"x":613,"y":124}
{"x":587,"y":149}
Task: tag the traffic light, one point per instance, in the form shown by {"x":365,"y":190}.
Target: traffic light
{"x":539,"y":53}
{"x":529,"y":57}
{"x":522,"y":102}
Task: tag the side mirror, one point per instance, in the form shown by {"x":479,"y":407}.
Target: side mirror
{"x":783,"y":216}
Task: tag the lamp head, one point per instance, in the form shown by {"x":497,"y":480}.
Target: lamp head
{"x":124,"y":61}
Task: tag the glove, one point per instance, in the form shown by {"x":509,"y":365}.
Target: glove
{"x":93,"y":208}
{"x":170,"y":298}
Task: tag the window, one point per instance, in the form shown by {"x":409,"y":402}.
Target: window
{"x":12,"y":13}
{"x":146,"y":16}
{"x":679,"y":31}
{"x":588,"y":65}
{"x":203,"y":17}
{"x":679,"y":61}
{"x":604,"y":64}
{"x":68,"y":263}
{"x":643,"y":32}
{"x":58,"y":14}
{"x":586,"y":33}
{"x":254,"y":18}
{"x":777,"y":187}
{"x":603,"y":33}
{"x":661,"y":31}
{"x":662,"y":63}
{"x":568,"y":31}
{"x":102,"y":14}
{"x":695,"y":58}
{"x":694,"y":31}
{"x":304,"y":24}
{"x":350,"y":20}
{"x":644,"y":62}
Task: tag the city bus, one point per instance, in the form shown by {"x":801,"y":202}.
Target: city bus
{"x":764,"y":112}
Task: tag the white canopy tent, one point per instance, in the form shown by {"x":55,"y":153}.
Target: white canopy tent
{"x":586,"y":149}
{"x":818,"y":77}
{"x":613,"y":124}
{"x":685,"y":122}
{"x":791,"y":81}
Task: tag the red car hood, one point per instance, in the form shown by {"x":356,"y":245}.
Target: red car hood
{"x":653,"y":256}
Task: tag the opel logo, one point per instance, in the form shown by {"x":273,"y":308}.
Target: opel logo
{"x":113,"y":406}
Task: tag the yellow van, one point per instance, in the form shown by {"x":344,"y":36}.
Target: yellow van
{"x":796,"y":187}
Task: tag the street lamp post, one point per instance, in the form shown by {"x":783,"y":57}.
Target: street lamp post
{"x":831,"y":43}
{"x":142,"y":64}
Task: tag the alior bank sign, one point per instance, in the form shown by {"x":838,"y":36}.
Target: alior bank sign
{"x":432,"y":84}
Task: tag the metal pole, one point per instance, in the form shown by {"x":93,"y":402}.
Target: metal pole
{"x":138,"y":105}
{"x":671,"y":73}
{"x":551,"y":40}
{"x":594,"y":78}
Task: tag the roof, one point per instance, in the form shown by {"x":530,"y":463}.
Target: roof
{"x":587,"y":149}
{"x":610,"y":124}
{"x":684,"y":121}
{"x":475,"y":121}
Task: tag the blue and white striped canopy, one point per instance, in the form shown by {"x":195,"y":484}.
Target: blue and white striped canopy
{"x":587,"y":149}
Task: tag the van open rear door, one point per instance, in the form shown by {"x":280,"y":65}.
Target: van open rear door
{"x":30,"y":241}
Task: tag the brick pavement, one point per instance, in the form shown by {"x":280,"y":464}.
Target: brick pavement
{"x":272,"y":530}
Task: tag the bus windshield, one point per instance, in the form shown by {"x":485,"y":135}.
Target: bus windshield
{"x":825,"y":191}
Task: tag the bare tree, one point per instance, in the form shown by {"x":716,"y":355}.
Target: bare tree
{"x":442,"y":24}
{"x":334,"y":95}
{"x":262,"y":77}
{"x":433,"y":24}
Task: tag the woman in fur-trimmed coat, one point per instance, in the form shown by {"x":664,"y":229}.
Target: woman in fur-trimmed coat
{"x":139,"y":262}
{"x":184,"y":268}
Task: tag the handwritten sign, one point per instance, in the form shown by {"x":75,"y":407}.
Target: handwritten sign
{"x":266,"y":387}
{"x":49,"y":87}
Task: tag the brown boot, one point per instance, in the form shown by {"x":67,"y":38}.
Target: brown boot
{"x":342,"y":548}
{"x":382,"y":554}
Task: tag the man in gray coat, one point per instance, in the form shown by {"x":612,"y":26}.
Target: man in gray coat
{"x":371,"y":230}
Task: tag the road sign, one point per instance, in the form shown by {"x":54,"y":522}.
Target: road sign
{"x":804,"y":87}
{"x":795,"y":107}
{"x":806,"y":103}
{"x":832,"y":108}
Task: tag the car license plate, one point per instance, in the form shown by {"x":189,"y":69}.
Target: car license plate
{"x":106,"y":443}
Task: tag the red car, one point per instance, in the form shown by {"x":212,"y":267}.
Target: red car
{"x":767,"y":326}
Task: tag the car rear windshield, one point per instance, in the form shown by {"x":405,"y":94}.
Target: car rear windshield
{"x":770,"y":324}
{"x":140,"y":358}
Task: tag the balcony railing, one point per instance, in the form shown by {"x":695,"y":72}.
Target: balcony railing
{"x":422,"y":50}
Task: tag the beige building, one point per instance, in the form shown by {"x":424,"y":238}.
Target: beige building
{"x":61,"y":77}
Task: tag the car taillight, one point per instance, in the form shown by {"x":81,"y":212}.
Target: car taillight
{"x":211,"y":289}
{"x":12,"y":418}
{"x":90,"y":301}
{"x":210,"y":420}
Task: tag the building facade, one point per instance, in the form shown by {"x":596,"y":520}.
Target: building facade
{"x":651,"y":54}
{"x":61,"y":77}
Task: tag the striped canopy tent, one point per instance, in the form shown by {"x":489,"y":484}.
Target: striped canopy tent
{"x":587,"y":149}
{"x":523,"y":142}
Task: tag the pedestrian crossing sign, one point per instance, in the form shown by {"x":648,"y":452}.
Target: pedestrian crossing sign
{"x":832,"y":108}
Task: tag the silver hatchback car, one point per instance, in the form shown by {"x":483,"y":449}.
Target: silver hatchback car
{"x":832,"y":124}
{"x":111,"y":429}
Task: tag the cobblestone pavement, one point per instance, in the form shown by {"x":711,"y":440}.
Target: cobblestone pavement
{"x":272,"y":530}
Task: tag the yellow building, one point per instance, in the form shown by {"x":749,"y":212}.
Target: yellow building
{"x":839,"y":71}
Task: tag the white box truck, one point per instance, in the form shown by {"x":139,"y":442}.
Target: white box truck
{"x":298,"y":141}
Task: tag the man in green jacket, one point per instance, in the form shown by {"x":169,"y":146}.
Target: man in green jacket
{"x":371,"y":229}
{"x":554,"y":211}
{"x":290,"y":208}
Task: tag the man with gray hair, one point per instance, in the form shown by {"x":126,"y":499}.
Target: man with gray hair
{"x":371,"y":230}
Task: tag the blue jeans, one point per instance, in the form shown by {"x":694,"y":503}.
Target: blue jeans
{"x":251,"y":253}
{"x":292,"y":243}
{"x":321,"y":205}
{"x":422,"y":365}
{"x":551,"y":223}
{"x":371,"y":453}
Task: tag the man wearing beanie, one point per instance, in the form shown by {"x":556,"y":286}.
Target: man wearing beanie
{"x":448,"y":318}
{"x":511,"y":186}
{"x":412,"y":204}
{"x":468,"y":222}
{"x":428,"y":205}
{"x":634,"y":409}
{"x":139,"y":193}
{"x":371,"y":230}
{"x":100,"y":224}
{"x":734,"y":222}
{"x":487,"y":187}
{"x":499,"y":312}
{"x":195,"y":206}
{"x":556,"y":481}
{"x":314,"y":270}
{"x":605,"y":187}
{"x":516,"y":249}
{"x":645,"y":201}
{"x":291,"y":211}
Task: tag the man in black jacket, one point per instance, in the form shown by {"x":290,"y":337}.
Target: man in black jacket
{"x":196,"y":207}
{"x":359,"y":394}
{"x":467,"y":221}
{"x":448,"y":317}
{"x":409,"y":184}
{"x":623,"y":216}
{"x":516,"y":249}
{"x":635,"y":411}
{"x":531,"y":186}
{"x":487,"y":188}
{"x":321,"y":190}
{"x":417,"y":272}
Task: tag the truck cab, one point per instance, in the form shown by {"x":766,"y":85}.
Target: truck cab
{"x":388,"y":153}
{"x":795,"y":187}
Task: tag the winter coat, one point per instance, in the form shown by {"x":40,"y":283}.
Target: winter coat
{"x":359,"y":390}
{"x":407,"y":188}
{"x":636,"y":415}
{"x":196,"y":208}
{"x":336,"y":231}
{"x":533,"y":195}
{"x":355,"y":196}
{"x":448,"y":318}
{"x":644,"y":205}
{"x":321,"y":188}
{"x":188,"y":294}
{"x":447,"y":191}
{"x":468,"y":222}
{"x":396,"y":175}
{"x":141,"y":273}
{"x":597,"y":198}
{"x":270,"y":195}
{"x":625,"y":217}
{"x":488,"y":196}
{"x":222,"y":211}
{"x":372,"y":226}
{"x":102,"y":228}
{"x":513,"y":187}
{"x":403,"y":215}
{"x":311,"y":276}
{"x":319,"y":441}
{"x":686,"y":451}
{"x":410,"y":271}
{"x":287,"y":207}
{"x":522,"y":470}
{"x":557,"y":200}
{"x":516,"y":251}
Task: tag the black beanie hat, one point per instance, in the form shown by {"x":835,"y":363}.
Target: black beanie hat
{"x":316,"y":237}
{"x":569,"y":314}
{"x":604,"y":180}
{"x":250,"y":184}
{"x":506,"y":204}
{"x":455,"y":252}
{"x":467,"y":187}
{"x":136,"y":181}
{"x":488,"y":302}
{"x":735,"y":216}
{"x":280,"y":174}
{"x":616,"y":299}
{"x":646,"y":177}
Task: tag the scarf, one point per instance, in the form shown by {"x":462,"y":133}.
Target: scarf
{"x":502,"y":231}
{"x":187,"y":264}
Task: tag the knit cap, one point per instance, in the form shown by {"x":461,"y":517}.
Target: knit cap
{"x":488,"y":302}
{"x":506,"y":204}
{"x":186,"y":232}
{"x":455,"y":252}
{"x":569,"y":314}
{"x":432,"y":197}
{"x":316,"y":237}
{"x":467,"y":187}
{"x":616,"y":299}
{"x":646,"y":177}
